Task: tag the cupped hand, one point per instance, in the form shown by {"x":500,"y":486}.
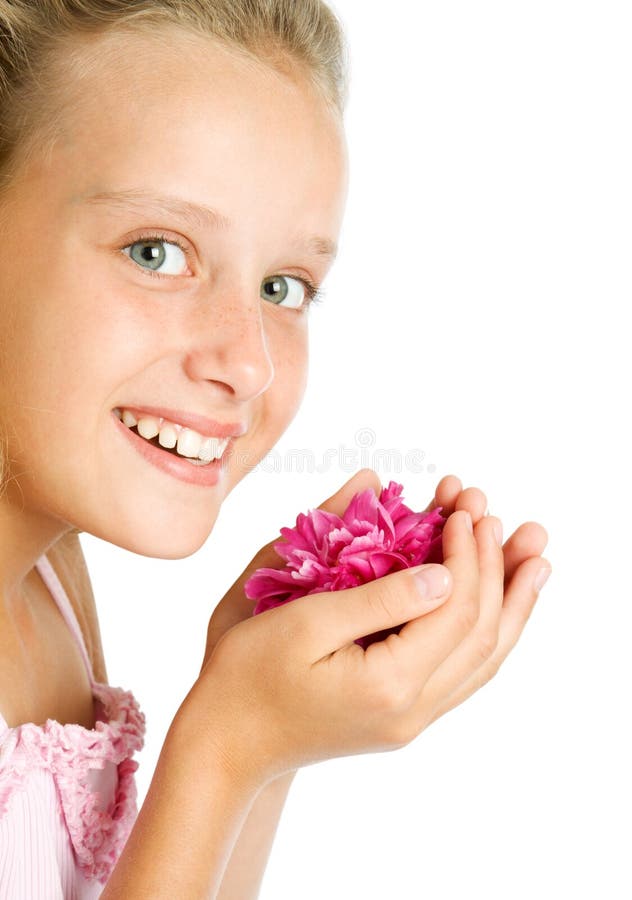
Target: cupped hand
{"x":291,"y":687}
{"x":235,"y":606}
{"x":507,"y":596}
{"x":526,"y":543}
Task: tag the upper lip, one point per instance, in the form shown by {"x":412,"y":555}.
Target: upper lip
{"x":202,"y":424}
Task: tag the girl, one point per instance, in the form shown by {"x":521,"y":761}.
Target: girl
{"x":173,"y":180}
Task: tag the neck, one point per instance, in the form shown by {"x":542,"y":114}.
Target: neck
{"x":25,"y":535}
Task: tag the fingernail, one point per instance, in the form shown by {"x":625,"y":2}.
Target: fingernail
{"x":540,"y":578}
{"x":468,"y":521}
{"x":432,"y":582}
{"x":498,"y":532}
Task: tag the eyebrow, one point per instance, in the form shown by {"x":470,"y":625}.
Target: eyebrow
{"x":197,"y":215}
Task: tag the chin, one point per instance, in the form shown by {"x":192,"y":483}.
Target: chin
{"x":176,"y":540}
{"x":169,"y":548}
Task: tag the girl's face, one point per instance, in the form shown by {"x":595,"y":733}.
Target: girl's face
{"x":86,"y":327}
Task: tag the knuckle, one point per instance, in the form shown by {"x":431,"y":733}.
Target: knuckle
{"x":487,"y":643}
{"x":291,"y":631}
{"x":390,"y":692}
{"x":484,"y":674}
{"x":401,"y":733}
{"x":298,"y":624}
{"x":390,"y":696}
{"x":385,"y":602}
{"x":403,"y":693}
{"x":493,"y":665}
{"x":466,"y":617}
{"x":487,"y":670}
{"x":379,"y":602}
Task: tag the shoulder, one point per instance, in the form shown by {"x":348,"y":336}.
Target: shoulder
{"x":67,"y":559}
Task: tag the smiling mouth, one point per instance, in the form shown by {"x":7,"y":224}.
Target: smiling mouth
{"x":177,"y":440}
{"x":173,"y":451}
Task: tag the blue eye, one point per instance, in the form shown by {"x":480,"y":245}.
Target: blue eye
{"x":280,"y":288}
{"x":153,"y":252}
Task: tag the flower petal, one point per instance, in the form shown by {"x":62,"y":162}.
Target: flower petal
{"x":325,"y":552}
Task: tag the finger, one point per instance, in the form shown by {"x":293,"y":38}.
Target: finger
{"x":336,"y":503}
{"x":479,"y":645}
{"x":446,"y":493}
{"x":423,"y":644}
{"x":520,"y":598}
{"x":331,"y":621}
{"x":363,"y":479}
{"x":460,"y":556}
{"x":519,"y":601}
{"x":236,"y":605}
{"x":451,"y":497}
{"x":474,"y":501}
{"x":528,"y":540}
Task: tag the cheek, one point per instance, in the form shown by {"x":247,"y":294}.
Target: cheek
{"x":290,"y":373}
{"x":64,"y":363}
{"x":276,"y":407}
{"x":75,"y":357}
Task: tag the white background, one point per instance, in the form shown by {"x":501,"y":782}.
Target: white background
{"x":475,"y":314}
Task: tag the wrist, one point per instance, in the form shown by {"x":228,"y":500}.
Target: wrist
{"x":190,"y":820}
{"x":200,"y":731}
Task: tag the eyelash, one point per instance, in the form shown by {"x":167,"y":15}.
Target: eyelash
{"x":314,"y":293}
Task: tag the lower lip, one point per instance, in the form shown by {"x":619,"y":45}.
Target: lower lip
{"x":205,"y":476}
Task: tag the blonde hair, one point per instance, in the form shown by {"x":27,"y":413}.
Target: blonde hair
{"x":41,"y":59}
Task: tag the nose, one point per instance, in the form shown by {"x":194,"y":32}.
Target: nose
{"x":230,"y":346}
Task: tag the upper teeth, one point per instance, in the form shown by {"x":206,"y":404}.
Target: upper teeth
{"x":189,"y":442}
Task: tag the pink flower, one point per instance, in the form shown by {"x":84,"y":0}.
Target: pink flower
{"x":324,"y":552}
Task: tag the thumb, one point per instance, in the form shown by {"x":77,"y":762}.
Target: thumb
{"x":351,"y":613}
{"x":337,"y":503}
{"x":363,"y":479}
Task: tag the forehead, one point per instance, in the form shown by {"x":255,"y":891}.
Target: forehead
{"x":189,"y":105}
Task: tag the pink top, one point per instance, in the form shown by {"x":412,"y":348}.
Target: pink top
{"x":67,"y":793}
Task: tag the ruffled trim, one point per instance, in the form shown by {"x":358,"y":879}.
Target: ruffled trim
{"x":69,"y":752}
